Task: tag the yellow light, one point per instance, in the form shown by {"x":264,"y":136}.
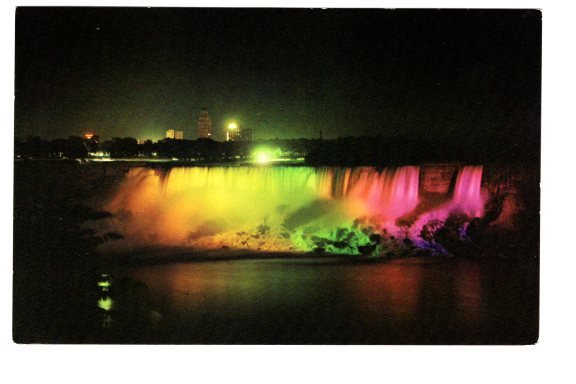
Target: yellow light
{"x":232,"y":126}
{"x":263,"y":157}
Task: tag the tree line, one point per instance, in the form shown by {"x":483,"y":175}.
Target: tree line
{"x":75,"y":147}
{"x":343,"y":151}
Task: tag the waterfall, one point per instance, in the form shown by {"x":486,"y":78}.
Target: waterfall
{"x":467,"y":191}
{"x":275,"y":208}
{"x":467,"y":198}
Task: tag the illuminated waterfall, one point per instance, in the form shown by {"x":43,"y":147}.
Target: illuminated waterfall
{"x":467,"y":198}
{"x":276,"y":208}
{"x":389,"y":194}
{"x":467,"y":192}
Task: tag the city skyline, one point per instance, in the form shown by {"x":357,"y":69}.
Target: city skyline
{"x":287,"y":73}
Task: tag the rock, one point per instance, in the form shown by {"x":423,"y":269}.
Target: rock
{"x":340,"y":244}
{"x":263,"y":229}
{"x":367,"y":230}
{"x":366,"y":249}
{"x":341,"y":232}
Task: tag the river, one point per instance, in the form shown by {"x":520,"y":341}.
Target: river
{"x":321,"y":301}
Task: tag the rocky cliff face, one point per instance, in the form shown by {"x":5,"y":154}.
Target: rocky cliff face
{"x":437,"y":178}
{"x":510,"y":190}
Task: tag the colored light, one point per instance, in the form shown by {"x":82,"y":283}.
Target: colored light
{"x":232,"y":126}
{"x":105,"y":303}
{"x":263,"y":158}
{"x":284,"y":208}
{"x":264,"y":154}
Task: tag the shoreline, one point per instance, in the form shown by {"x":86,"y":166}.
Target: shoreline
{"x":174,"y":255}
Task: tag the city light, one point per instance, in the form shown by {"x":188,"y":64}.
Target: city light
{"x":232,"y":126}
{"x":263,"y":158}
{"x":265,"y":155}
{"x":105,"y":303}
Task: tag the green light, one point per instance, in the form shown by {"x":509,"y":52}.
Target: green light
{"x":263,"y":158}
{"x":343,"y":239}
{"x":104,"y":281}
{"x":105,"y":303}
{"x":264,"y":155}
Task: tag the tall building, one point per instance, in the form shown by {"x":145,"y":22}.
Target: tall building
{"x":235,"y":132}
{"x":204,"y":125}
{"x":176,"y":135}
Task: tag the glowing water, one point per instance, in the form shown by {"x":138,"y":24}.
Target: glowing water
{"x":467,"y":192}
{"x":278,"y":208}
{"x":387,"y":195}
{"x":467,"y":199}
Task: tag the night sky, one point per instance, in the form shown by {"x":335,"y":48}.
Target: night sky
{"x":284,"y":73}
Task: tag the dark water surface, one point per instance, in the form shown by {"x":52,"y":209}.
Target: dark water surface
{"x":321,"y":301}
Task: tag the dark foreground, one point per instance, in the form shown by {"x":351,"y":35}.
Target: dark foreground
{"x":297,"y":301}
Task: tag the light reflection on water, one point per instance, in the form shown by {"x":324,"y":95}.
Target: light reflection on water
{"x":318,"y":301}
{"x":468,"y":285}
{"x":235,"y":287}
{"x":394,"y":289}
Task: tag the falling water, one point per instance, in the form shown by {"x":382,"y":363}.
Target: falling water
{"x":467,"y":192}
{"x":278,"y":208}
{"x":467,"y":199}
{"x":389,"y":194}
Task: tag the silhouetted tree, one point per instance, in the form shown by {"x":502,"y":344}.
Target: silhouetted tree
{"x":147,"y":148}
{"x":121,"y":147}
{"x":75,"y":148}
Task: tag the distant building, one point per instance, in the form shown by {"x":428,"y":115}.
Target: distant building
{"x":176,"y":135}
{"x":246,"y":134}
{"x":91,"y":141}
{"x":204,"y":125}
{"x":235,"y":132}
